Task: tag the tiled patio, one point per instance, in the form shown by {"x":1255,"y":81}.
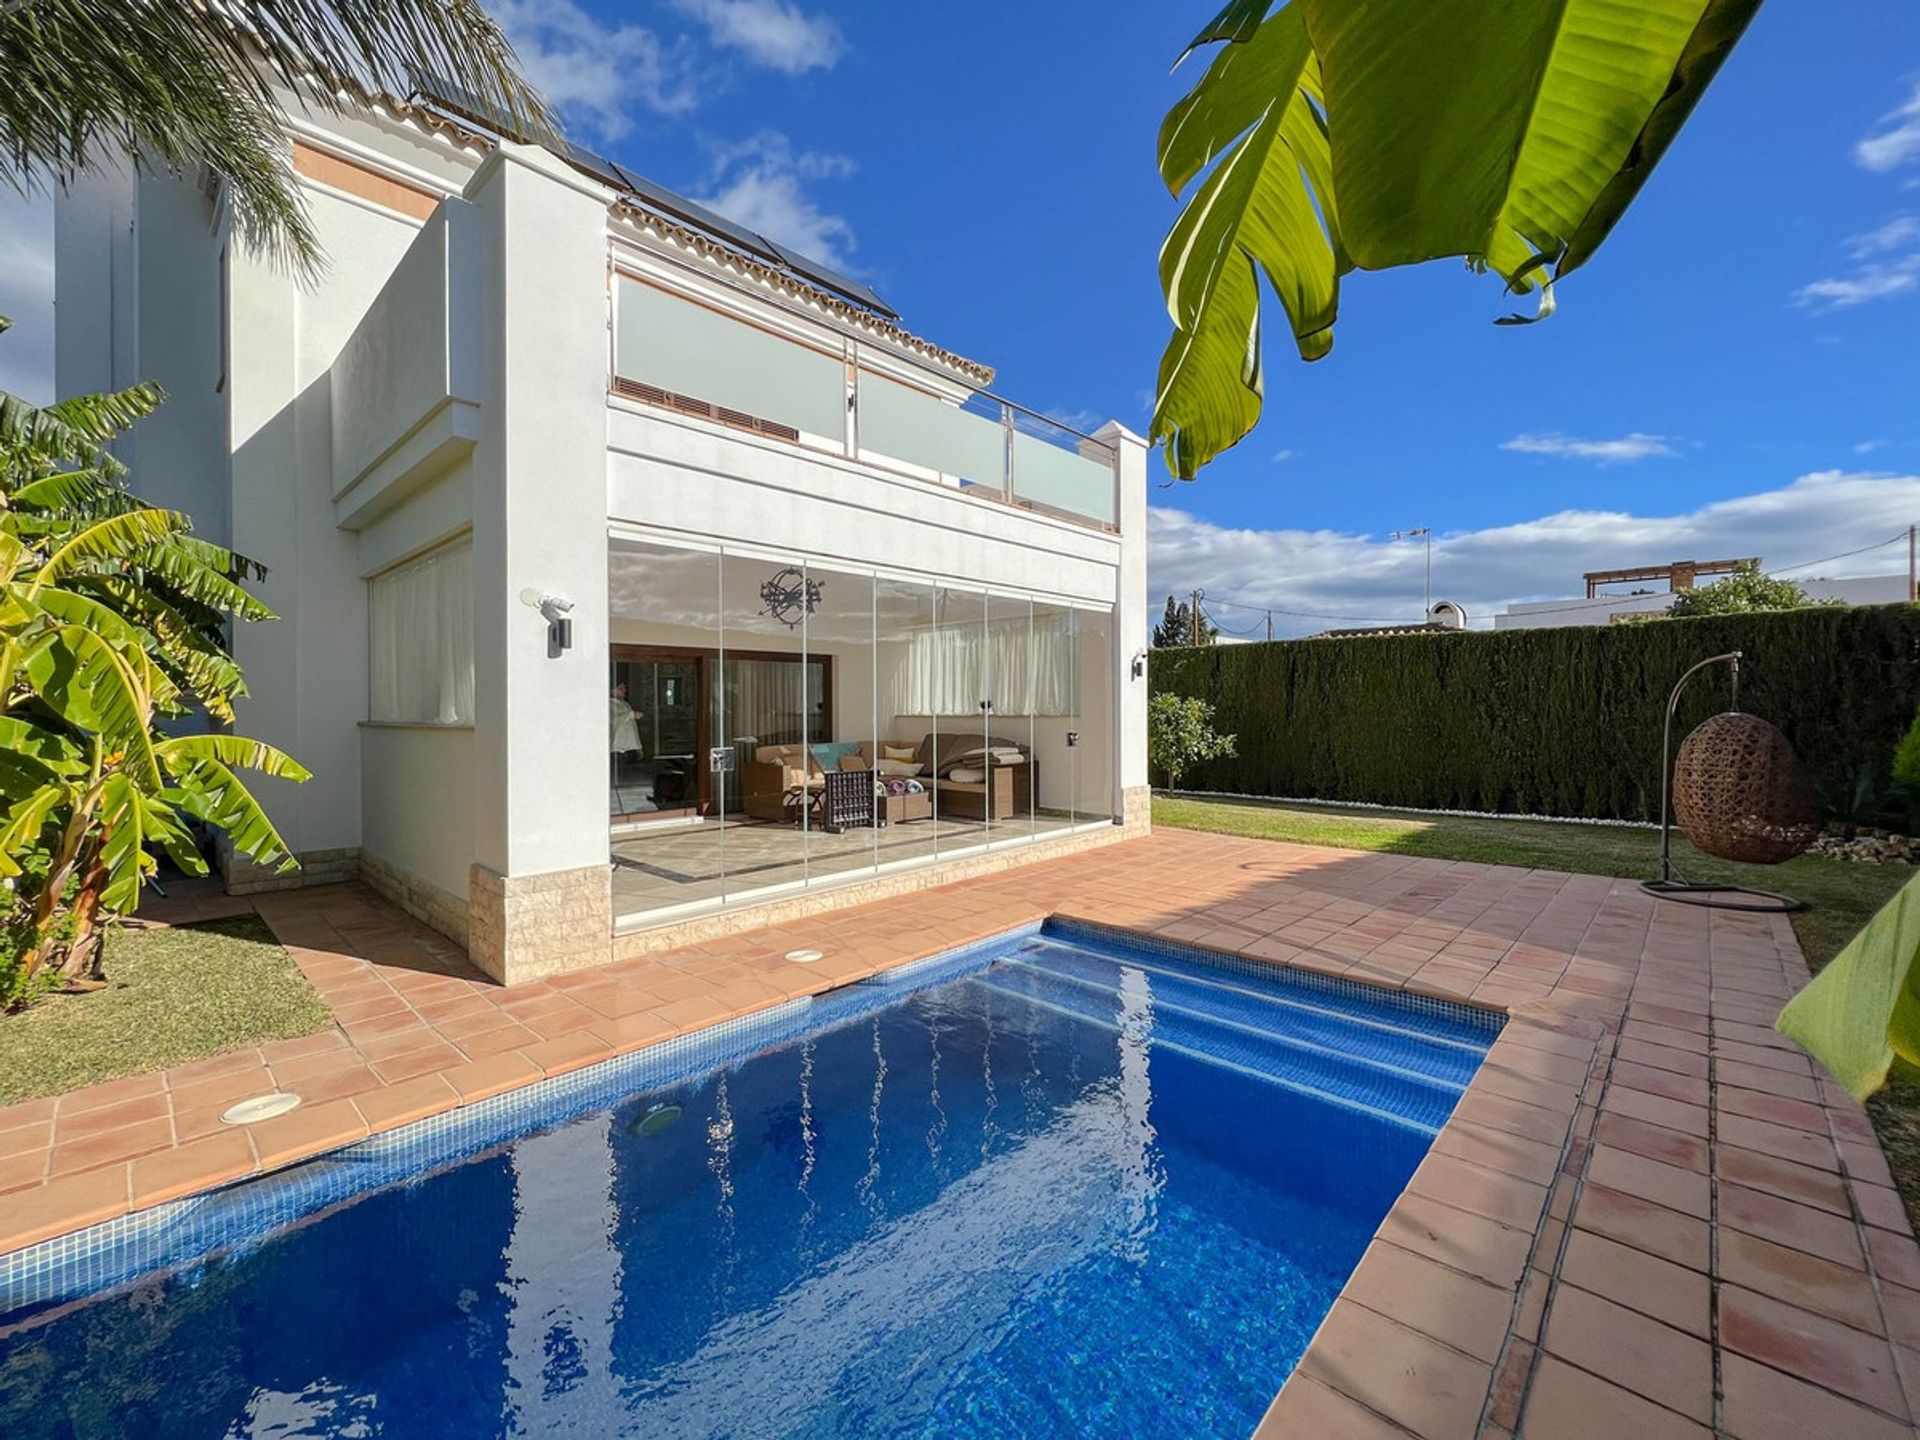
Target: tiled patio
{"x":1650,"y":1216}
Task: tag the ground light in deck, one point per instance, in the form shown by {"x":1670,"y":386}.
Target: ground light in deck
{"x":1056,"y":1185}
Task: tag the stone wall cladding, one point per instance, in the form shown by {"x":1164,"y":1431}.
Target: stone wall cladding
{"x":654,"y":939}
{"x":422,"y":899}
{"x":521,"y":927}
{"x":317,"y":867}
{"x":1138,"y":800}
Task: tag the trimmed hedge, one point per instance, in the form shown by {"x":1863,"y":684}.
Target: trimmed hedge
{"x":1546,"y":722}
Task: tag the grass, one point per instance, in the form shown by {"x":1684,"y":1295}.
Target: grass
{"x":173,"y":995}
{"x":1842,"y":895}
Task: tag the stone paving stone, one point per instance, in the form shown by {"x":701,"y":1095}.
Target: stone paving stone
{"x":1597,"y":1097}
{"x":1566,"y":1403}
{"x":1653,"y":1360}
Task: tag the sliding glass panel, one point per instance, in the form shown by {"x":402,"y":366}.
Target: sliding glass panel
{"x":840,"y":635}
{"x":957,"y":696}
{"x":776,"y":697}
{"x":1007,"y":766}
{"x":1094,"y":793}
{"x":1056,"y":716}
{"x":903,"y":620}
{"x":664,"y":801}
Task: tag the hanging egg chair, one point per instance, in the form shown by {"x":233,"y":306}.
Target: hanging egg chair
{"x":1739,"y":793}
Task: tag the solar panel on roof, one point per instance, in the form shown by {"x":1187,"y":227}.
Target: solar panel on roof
{"x":671,"y":202}
{"x":459,"y":102}
{"x":832,"y":279}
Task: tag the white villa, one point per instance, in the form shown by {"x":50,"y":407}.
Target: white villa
{"x":639,"y":578}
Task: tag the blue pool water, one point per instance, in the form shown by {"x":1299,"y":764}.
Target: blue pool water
{"x":1081,"y":1189}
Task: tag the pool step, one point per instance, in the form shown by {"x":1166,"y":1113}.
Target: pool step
{"x":1356,"y":1031}
{"x":1322,"y":1073}
{"x":1291,"y":988}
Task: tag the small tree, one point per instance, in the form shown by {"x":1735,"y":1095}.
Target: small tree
{"x":1749,"y":588}
{"x":1176,"y":627}
{"x":1180,"y":735}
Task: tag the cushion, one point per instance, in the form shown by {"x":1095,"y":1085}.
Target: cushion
{"x":899,"y":752}
{"x":964,"y":775}
{"x":896,"y":767}
{"x":830,"y":752}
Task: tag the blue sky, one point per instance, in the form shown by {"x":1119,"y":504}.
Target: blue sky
{"x":1736,"y":373}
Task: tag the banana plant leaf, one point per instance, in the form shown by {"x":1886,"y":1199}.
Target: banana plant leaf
{"x":1861,"y":1015}
{"x":1330,"y":135}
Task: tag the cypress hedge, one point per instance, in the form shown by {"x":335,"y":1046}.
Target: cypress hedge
{"x":1547,"y":722}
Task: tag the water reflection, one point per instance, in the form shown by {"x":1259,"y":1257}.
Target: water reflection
{"x":849,"y":1235}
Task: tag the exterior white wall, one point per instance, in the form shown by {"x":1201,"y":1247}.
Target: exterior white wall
{"x":539,"y":514}
{"x":453,"y":377}
{"x":417,"y":786}
{"x":1546,"y":614}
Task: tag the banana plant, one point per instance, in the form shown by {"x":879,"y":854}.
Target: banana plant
{"x":112,"y":619}
{"x":1328,"y":136}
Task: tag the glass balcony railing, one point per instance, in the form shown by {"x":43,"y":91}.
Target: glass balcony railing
{"x":674,"y":351}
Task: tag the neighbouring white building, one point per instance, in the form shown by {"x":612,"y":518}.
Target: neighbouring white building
{"x":639,"y":578}
{"x":1605,"y":609}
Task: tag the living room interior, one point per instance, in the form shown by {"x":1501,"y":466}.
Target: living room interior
{"x":779,"y":722}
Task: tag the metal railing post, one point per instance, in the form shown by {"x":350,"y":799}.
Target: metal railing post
{"x":1006,"y":475}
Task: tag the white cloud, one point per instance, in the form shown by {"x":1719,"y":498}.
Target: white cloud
{"x":1624,"y":450}
{"x":1867,"y":447}
{"x":1896,"y":234}
{"x":1280,"y":457}
{"x":1875,"y":280}
{"x":771,"y":33}
{"x":760,"y":183}
{"x":1340,"y":578}
{"x":1897,"y":139}
{"x":26,"y":296}
{"x":597,"y":74}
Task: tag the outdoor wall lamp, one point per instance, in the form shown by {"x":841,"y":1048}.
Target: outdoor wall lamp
{"x":554,"y":610}
{"x":1139,"y":664}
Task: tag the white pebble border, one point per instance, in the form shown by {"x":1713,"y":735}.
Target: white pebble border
{"x":1400,"y":809}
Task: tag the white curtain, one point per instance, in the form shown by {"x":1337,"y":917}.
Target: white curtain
{"x":1024,"y":669}
{"x":766,"y":700}
{"x":422,"y":643}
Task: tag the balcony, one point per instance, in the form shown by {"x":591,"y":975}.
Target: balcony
{"x":826,"y":391}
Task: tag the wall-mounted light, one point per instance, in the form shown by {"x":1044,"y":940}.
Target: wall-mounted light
{"x":554,"y":610}
{"x":1139,"y":664}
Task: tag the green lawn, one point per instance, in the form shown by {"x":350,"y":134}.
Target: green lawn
{"x":173,"y":996}
{"x":1841,"y":894}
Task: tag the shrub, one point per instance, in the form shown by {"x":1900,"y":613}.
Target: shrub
{"x":1548,"y":722}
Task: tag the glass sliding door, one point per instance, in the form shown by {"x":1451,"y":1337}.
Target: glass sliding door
{"x":777,"y":697}
{"x":1094,"y":796}
{"x":665,"y":802}
{"x":1009,"y":762}
{"x":1058,"y":743}
{"x":906,"y":655}
{"x":841,"y":631}
{"x":960,"y":716}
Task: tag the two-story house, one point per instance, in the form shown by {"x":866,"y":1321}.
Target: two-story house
{"x":640,"y":579}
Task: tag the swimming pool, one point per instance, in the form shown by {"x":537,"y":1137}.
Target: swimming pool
{"x":1061,"y":1184}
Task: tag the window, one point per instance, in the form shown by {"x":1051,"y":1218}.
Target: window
{"x":422,"y":641}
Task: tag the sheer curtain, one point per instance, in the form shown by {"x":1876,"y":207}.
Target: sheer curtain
{"x":422,"y":640}
{"x":766,"y":700}
{"x":1030,"y":669}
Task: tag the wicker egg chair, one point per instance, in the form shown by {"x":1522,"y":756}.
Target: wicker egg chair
{"x":1739,"y":793}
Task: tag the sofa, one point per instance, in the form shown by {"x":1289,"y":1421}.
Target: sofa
{"x":995,"y":780}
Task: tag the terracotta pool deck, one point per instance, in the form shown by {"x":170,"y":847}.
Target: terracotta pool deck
{"x":1649,"y":1216}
